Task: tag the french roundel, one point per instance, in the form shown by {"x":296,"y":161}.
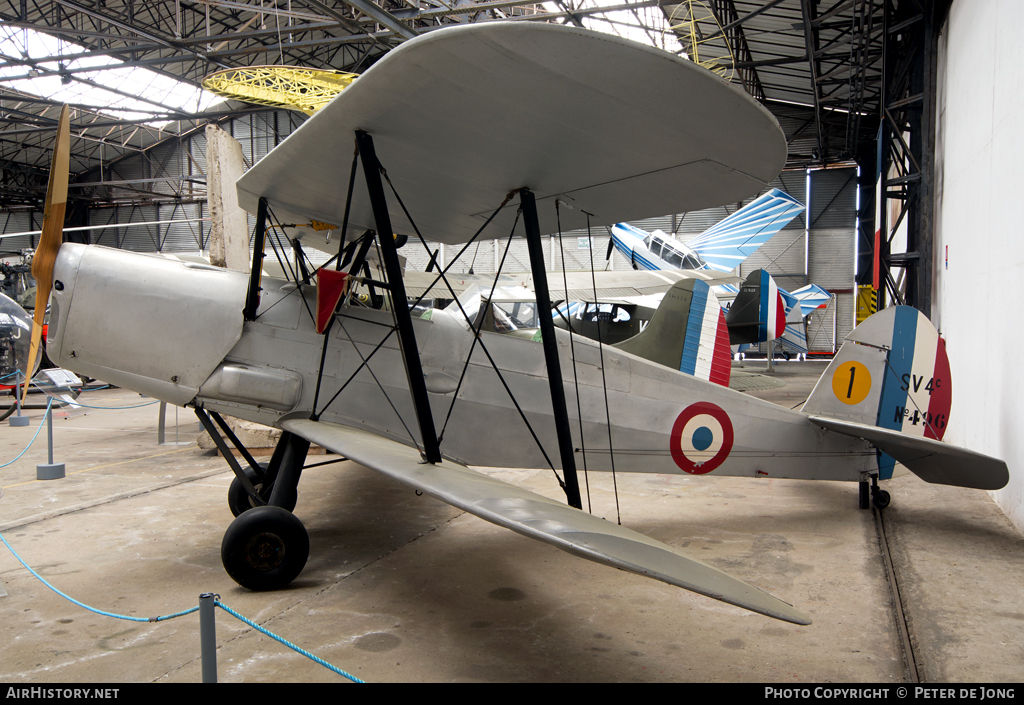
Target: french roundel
{"x":701,"y":438}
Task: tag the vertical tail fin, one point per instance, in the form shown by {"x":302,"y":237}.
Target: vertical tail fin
{"x":892,"y":372}
{"x":687,"y":333}
{"x":759,"y":312}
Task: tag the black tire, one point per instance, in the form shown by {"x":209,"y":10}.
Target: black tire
{"x":265,"y":548}
{"x":238,"y":499}
{"x":881,"y":499}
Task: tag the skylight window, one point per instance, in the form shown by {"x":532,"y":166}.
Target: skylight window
{"x":129,"y":93}
{"x":643,"y":24}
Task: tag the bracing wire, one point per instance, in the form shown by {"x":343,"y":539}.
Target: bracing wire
{"x":572,"y":350}
{"x":487,"y":303}
{"x":604,"y":383}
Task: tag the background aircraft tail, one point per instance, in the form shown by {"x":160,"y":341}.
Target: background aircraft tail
{"x":890,"y":384}
{"x":687,"y":333}
{"x":759,"y":312}
{"x":726,"y":244}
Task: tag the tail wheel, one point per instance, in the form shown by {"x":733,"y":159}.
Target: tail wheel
{"x":880,"y":498}
{"x":265,"y":548}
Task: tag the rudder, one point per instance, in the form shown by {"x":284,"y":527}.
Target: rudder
{"x":892,"y":372}
{"x":687,"y":333}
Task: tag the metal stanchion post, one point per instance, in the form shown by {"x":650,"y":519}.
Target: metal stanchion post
{"x":18,"y":419}
{"x":161,"y":428}
{"x":51,"y":470}
{"x":208,"y":636}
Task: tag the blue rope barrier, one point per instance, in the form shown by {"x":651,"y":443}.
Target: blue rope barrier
{"x":133,"y":406}
{"x":34,"y":436}
{"x":93,"y":609}
{"x":165,"y":617}
{"x":287,"y":643}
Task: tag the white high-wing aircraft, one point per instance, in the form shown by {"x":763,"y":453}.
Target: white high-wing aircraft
{"x":773,"y":313}
{"x":414,"y":398}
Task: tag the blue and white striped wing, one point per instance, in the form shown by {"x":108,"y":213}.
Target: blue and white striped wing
{"x":726,"y":245}
{"x":811,"y":297}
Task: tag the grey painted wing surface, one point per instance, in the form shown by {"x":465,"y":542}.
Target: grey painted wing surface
{"x":610,"y":286}
{"x":618,"y":287}
{"x":541,"y":518}
{"x":463,"y":115}
{"x":931,"y":460}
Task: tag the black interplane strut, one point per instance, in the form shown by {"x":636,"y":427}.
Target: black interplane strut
{"x":547,"y":332}
{"x":406,"y":335}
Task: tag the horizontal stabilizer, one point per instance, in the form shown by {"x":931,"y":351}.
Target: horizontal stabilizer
{"x":933,"y":461}
{"x":811,"y":298}
{"x":540,"y":518}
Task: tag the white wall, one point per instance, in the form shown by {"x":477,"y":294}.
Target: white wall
{"x":979,"y":194}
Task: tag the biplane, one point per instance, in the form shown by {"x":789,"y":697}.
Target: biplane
{"x":486,"y":128}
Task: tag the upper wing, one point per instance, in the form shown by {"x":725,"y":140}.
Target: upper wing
{"x":463,"y":115}
{"x":603,"y":286}
{"x":540,"y":518}
{"x":727,"y":244}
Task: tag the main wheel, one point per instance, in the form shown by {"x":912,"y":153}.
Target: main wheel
{"x":265,"y":548}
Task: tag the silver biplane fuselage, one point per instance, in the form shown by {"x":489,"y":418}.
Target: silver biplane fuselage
{"x":189,"y":345}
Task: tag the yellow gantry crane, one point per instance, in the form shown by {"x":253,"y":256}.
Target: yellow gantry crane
{"x":290,"y":87}
{"x":701,"y":37}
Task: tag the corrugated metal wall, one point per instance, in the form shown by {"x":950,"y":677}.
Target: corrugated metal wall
{"x":831,"y":251}
{"x":19,"y":222}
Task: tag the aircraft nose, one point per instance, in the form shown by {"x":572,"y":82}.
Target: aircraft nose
{"x":65,"y":270}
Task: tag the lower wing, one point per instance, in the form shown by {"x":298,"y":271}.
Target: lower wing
{"x":540,"y":518}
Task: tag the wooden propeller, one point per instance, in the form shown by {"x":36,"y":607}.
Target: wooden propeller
{"x":50,"y":240}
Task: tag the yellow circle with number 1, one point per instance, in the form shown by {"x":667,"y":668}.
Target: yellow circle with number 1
{"x":851,"y":382}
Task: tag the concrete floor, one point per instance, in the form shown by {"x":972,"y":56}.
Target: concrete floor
{"x":405,"y":588}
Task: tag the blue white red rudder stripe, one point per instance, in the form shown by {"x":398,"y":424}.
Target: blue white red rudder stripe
{"x":773,"y":309}
{"x":706,"y":353}
{"x":892,"y":372}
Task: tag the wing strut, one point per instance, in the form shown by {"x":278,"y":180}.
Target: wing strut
{"x":547,"y":331}
{"x":406,"y":336}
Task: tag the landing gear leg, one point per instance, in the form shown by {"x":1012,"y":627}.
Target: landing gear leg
{"x":266,"y":547}
{"x":284,"y":470}
{"x":865,"y":490}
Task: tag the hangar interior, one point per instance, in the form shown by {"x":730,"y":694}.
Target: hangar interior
{"x":922,"y":91}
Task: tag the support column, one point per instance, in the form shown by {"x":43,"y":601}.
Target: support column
{"x":406,"y":336}
{"x":547,"y":330}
